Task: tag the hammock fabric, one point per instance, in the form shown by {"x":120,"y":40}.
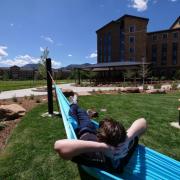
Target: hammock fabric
{"x":144,"y":164}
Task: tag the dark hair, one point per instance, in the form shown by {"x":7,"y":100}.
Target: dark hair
{"x":111,"y":132}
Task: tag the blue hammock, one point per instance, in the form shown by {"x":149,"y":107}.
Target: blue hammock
{"x":144,"y":164}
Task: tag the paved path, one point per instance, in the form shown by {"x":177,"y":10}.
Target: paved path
{"x":29,"y":92}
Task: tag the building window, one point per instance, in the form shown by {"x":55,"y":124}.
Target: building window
{"x":164,"y":54}
{"x":100,"y":49}
{"x":131,"y":50}
{"x":174,"y":53}
{"x":175,"y":35}
{"x":154,"y":37}
{"x":131,"y":39}
{"x":132,"y":28}
{"x":109,"y":46}
{"x":164,"y":36}
{"x":154,"y":54}
{"x":132,"y":59}
{"x":105,"y":47}
{"x":121,"y":45}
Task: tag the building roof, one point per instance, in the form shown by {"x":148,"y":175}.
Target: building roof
{"x":112,"y":64}
{"x":164,"y":31}
{"x":121,"y":18}
{"x":178,"y":19}
{"x":112,"y":22}
{"x":131,"y":16}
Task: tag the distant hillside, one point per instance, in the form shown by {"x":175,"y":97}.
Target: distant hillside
{"x":30,"y":66}
{"x":72,"y":66}
{"x":69,"y":67}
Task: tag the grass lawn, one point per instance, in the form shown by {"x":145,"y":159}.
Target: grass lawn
{"x":29,"y":153}
{"x":12,"y":85}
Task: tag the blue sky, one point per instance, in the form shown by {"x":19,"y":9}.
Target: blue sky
{"x":67,"y":27}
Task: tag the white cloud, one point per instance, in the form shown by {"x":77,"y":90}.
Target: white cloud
{"x":140,"y":5}
{"x":3,"y":51}
{"x":48,"y":39}
{"x":92,"y":55}
{"x":56,"y":64}
{"x":70,"y":55}
{"x":20,"y":60}
{"x":41,"y":49}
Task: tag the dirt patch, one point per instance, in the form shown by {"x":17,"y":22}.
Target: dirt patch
{"x":26,"y":102}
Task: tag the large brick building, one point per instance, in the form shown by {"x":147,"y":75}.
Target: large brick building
{"x":126,"y":41}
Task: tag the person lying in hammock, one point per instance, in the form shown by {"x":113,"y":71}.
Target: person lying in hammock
{"x":108,"y":148}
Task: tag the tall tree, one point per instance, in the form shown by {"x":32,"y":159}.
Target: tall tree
{"x":42,"y":63}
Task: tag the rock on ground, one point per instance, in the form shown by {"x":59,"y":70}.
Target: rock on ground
{"x":12,"y":111}
{"x":156,"y":91}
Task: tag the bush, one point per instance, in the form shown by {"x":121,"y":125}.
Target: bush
{"x":25,"y":97}
{"x":2,"y":126}
{"x":31,"y":96}
{"x":38,"y":100}
{"x":145,"y":87}
{"x":174,"y":86}
{"x":99,"y":90}
{"x":177,"y":75}
{"x":93,"y":90}
{"x":14,"y":99}
{"x":157,"y":86}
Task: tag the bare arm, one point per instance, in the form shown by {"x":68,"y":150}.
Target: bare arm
{"x":68,"y":149}
{"x":137,"y":128}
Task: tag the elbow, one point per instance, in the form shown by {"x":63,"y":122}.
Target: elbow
{"x":143,"y":123}
{"x":59,"y":148}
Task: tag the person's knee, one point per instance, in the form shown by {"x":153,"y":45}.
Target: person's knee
{"x":56,"y":146}
{"x":144,"y":122}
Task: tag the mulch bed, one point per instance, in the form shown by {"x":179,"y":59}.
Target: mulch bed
{"x":26,"y":102}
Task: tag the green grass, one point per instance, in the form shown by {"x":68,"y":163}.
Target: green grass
{"x":13,"y":85}
{"x":158,"y":110}
{"x":29,"y":153}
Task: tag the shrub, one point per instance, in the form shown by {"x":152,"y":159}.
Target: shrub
{"x":38,"y":100}
{"x":14,"y":99}
{"x":25,"y":97}
{"x":177,"y":74}
{"x":99,"y":90}
{"x":145,"y":87}
{"x":174,"y":86}
{"x":31,"y":96}
{"x":93,"y":90}
{"x":157,"y":86}
{"x":2,"y":126}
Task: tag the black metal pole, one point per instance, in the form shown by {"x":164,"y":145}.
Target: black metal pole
{"x":49,"y":86}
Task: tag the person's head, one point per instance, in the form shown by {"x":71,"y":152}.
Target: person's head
{"x":111,"y":132}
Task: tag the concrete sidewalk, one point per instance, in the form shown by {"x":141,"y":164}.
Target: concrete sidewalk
{"x":29,"y":92}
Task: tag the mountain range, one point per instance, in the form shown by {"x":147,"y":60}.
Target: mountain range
{"x":69,"y":67}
